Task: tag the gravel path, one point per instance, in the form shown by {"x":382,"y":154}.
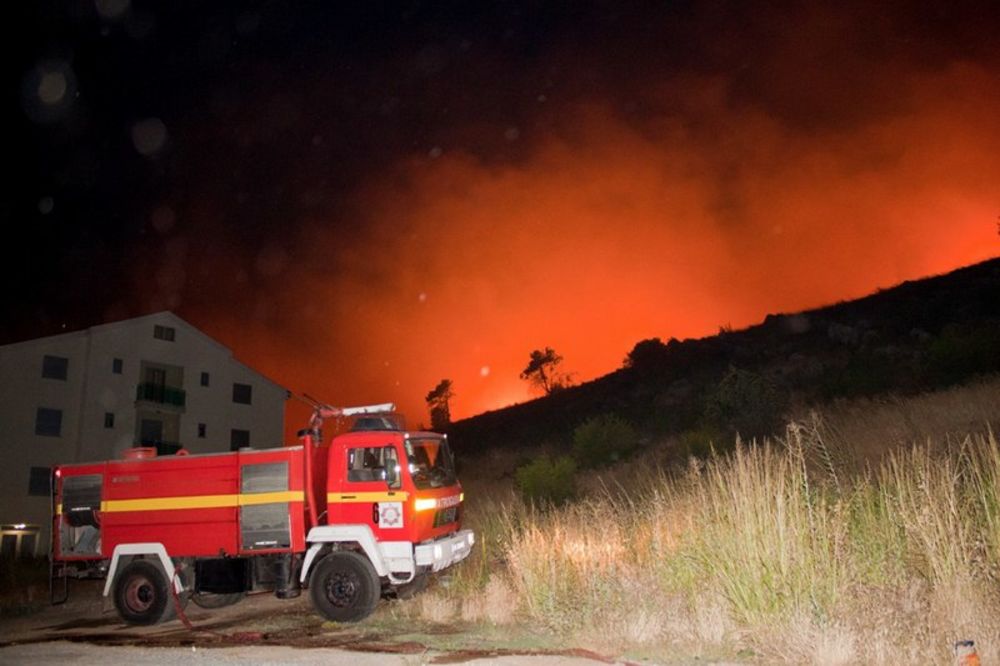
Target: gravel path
{"x":265,"y":655}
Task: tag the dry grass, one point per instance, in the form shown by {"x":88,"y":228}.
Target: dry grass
{"x":863,"y":431}
{"x":497,"y":604}
{"x":437,"y":607}
{"x":802,"y":549}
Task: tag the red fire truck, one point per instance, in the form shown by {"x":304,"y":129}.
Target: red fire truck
{"x":370,"y":515}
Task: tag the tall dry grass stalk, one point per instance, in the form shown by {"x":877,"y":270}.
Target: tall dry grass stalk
{"x":868,"y":534}
{"x":791,"y":548}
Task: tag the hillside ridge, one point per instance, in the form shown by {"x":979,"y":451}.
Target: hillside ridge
{"x":916,"y":336}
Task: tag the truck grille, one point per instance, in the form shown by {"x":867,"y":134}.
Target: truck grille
{"x":446,"y":516}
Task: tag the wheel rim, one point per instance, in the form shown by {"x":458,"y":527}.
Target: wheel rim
{"x":342,"y":588}
{"x":139,"y":594}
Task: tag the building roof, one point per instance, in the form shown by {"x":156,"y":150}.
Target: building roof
{"x":162,"y":317}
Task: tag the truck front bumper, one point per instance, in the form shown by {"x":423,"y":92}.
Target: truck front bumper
{"x":446,"y":551}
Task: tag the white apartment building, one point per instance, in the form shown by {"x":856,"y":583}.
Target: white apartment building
{"x":90,"y":395}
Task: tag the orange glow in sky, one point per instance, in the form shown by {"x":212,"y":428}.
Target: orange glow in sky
{"x":607,"y":233}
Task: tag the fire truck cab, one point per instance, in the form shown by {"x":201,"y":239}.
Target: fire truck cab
{"x":370,"y":515}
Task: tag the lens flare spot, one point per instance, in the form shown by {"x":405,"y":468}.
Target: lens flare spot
{"x":111,"y":9}
{"x":149,"y":136}
{"x":52,"y":87}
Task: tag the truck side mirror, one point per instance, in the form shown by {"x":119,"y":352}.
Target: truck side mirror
{"x":391,"y":466}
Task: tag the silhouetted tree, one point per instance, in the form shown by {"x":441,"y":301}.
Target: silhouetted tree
{"x":437,"y":400}
{"x":541,"y":371}
{"x":648,"y":353}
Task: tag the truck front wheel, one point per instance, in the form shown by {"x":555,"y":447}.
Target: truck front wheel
{"x":345,"y":587}
{"x":142,"y":594}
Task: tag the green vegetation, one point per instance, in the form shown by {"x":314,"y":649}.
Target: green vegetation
{"x":963,"y":350}
{"x":746,"y":403}
{"x":598,"y":442}
{"x":603,"y":440}
{"x":545,"y":481}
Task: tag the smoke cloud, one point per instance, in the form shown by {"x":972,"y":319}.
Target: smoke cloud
{"x":630,"y":202}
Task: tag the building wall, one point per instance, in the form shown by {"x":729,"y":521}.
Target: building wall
{"x":92,"y":390}
{"x":22,"y":391}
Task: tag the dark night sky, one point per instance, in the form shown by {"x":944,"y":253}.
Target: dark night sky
{"x":363,"y":198}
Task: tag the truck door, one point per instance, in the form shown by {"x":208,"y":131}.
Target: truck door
{"x":78,"y":515}
{"x":370,"y":493}
{"x":265,"y":514}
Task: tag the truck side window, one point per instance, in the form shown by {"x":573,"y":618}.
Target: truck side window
{"x":369,"y":463}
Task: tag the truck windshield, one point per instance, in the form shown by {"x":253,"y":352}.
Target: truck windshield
{"x":431,"y":463}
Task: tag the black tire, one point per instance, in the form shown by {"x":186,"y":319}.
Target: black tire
{"x":142,"y":594}
{"x":209,"y":600}
{"x":345,"y":587}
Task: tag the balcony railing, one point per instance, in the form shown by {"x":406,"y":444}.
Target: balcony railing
{"x":165,"y":395}
{"x":162,"y":448}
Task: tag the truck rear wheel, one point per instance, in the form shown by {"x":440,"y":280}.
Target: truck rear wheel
{"x":142,"y":594}
{"x":345,"y":587}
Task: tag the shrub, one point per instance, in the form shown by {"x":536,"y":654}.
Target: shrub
{"x":865,"y":373}
{"x":746,"y":403}
{"x":702,"y":441}
{"x":961,"y":352}
{"x":603,"y":440}
{"x":547,"y":481}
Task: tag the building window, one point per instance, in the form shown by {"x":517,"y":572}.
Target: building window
{"x":48,"y":422}
{"x":204,"y":379}
{"x":109,"y":420}
{"x":202,"y":429}
{"x":28,"y":541}
{"x":164,"y":333}
{"x":38,"y":481}
{"x":239,"y":439}
{"x":242,"y":393}
{"x":13,"y":535}
{"x":117,"y":365}
{"x":54,"y":367}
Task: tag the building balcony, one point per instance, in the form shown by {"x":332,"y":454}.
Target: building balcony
{"x":162,"y":448}
{"x":160,"y":394}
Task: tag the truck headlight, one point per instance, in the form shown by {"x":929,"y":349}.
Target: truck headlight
{"x":424,"y":503}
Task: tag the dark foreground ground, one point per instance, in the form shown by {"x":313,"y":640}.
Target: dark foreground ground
{"x":260,"y":629}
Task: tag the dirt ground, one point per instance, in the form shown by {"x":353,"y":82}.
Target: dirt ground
{"x":260,"y":629}
{"x":75,"y":653}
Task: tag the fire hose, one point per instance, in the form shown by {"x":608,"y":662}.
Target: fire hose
{"x":238,"y":636}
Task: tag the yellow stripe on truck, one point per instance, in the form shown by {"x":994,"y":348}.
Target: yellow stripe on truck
{"x":249,"y":499}
{"x":199,"y":501}
{"x":348,"y":498}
